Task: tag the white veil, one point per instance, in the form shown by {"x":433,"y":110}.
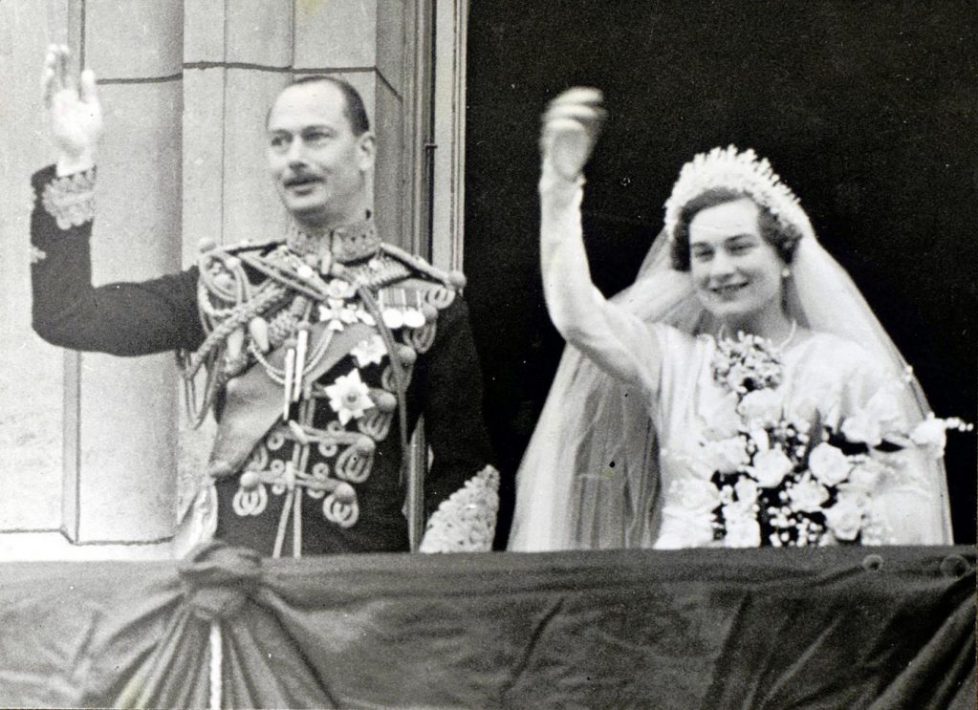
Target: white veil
{"x":589,"y":478}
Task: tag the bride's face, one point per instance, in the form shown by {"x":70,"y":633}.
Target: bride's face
{"x":735,"y":271}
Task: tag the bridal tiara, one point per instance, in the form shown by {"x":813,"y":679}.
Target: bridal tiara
{"x":743,"y":172}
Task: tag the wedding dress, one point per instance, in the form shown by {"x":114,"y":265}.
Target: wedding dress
{"x":617,"y":463}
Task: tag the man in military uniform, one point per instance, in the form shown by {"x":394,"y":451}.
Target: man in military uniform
{"x":321,"y":349}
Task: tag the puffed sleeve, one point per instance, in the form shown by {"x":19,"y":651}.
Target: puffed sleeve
{"x":461,"y":488}
{"x":119,"y":318}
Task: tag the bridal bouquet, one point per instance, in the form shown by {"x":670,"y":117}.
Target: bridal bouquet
{"x":786,"y":478}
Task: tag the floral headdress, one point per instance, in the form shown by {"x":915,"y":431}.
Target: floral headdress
{"x":743,"y":172}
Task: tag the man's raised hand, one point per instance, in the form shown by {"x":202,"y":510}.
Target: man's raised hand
{"x":74,"y":112}
{"x":570,"y":130}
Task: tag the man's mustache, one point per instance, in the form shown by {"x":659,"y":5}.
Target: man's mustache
{"x":301,"y":177}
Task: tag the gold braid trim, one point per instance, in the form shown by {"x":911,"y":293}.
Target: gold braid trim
{"x":454,"y":280}
{"x":238,"y":317}
{"x":71,"y":199}
{"x":466,"y":520}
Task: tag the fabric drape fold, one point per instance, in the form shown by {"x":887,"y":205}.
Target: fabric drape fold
{"x":685,"y":629}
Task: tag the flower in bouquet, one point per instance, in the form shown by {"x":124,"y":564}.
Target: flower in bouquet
{"x":931,"y":434}
{"x":769,"y":467}
{"x":762,"y":407}
{"x":828,"y":464}
{"x":742,"y":528}
{"x":807,"y":475}
{"x":746,"y":489}
{"x":807,"y":495}
{"x":695,"y":495}
{"x":746,"y":364}
{"x":726,"y":455}
{"x":870,"y":424}
{"x":845,"y":519}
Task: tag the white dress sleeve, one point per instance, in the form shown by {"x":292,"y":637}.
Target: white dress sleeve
{"x":616,"y":340}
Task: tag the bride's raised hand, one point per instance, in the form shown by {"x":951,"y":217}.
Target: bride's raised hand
{"x":73,"y":109}
{"x":570,"y":129}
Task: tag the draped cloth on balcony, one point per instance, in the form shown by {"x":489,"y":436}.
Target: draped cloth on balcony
{"x":841,"y":627}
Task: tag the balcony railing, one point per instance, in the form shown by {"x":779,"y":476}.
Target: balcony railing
{"x":830,"y":628}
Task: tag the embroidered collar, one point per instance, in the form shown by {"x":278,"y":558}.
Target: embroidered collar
{"x":351,"y":242}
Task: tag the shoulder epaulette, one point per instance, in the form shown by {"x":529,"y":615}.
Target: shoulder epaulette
{"x":454,"y":280}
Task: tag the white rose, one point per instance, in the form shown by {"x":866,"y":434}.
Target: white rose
{"x":845,"y":518}
{"x":726,"y":455}
{"x":762,"y":407}
{"x":807,"y":495}
{"x":829,"y":464}
{"x":862,"y":429}
{"x":868,"y":425}
{"x":770,"y":467}
{"x":742,"y":530}
{"x":931,"y":435}
{"x":746,"y":490}
{"x":694,"y":495}
{"x":760,"y":439}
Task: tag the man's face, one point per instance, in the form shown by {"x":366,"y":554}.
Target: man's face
{"x":319,"y":166}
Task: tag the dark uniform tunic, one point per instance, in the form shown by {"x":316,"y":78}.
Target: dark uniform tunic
{"x":322,"y":474}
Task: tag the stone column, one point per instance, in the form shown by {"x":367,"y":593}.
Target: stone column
{"x":31,"y":371}
{"x":121,"y":487}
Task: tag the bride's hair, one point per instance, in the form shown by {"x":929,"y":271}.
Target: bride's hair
{"x":783,"y":237}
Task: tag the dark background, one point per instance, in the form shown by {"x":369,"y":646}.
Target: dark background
{"x":866,"y":109}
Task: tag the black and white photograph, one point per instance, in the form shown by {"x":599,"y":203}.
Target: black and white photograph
{"x":485,"y":353}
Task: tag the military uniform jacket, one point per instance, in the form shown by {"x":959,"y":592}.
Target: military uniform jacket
{"x":317,"y":368}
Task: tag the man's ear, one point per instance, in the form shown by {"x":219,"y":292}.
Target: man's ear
{"x":366,"y":151}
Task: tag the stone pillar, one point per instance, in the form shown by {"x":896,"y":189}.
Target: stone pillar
{"x":121,"y":488}
{"x":31,"y":371}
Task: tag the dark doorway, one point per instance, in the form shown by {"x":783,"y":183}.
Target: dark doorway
{"x":867,"y":109}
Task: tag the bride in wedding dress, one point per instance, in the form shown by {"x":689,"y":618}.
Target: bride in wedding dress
{"x":740,"y":393}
